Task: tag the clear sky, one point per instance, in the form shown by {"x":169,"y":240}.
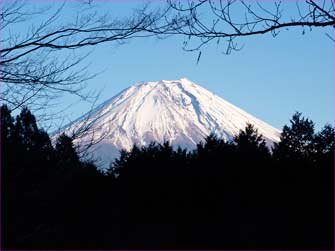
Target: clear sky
{"x":270,"y":78}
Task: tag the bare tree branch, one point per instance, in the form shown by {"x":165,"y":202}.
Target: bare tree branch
{"x":223,"y":20}
{"x":41,"y":65}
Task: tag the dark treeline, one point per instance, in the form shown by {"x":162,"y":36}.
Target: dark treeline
{"x":223,"y":195}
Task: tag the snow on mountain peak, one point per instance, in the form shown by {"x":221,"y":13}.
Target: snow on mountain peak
{"x":179,"y":111}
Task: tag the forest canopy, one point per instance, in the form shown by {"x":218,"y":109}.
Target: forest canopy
{"x":228,"y":195}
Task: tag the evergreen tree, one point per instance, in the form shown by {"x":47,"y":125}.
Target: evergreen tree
{"x":26,"y":129}
{"x":165,"y":150}
{"x":296,"y":140}
{"x":251,"y":144}
{"x":324,"y":141}
{"x":65,"y":152}
{"x":44,"y":145}
{"x":116,"y":166}
{"x":7,"y":124}
{"x":212,"y":147}
{"x":7,"y":127}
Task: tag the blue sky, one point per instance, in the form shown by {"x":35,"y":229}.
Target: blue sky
{"x":270,"y":78}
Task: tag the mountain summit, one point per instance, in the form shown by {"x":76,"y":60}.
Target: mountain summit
{"x":178,"y":111}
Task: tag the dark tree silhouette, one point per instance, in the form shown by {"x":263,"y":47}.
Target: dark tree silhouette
{"x":7,"y":130}
{"x":222,"y":195}
{"x":324,"y":141}
{"x":296,"y":139}
{"x":7,"y":124}
{"x":250,"y":143}
{"x":65,"y":151}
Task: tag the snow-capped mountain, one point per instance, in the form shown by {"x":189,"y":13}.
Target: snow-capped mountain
{"x":179,"y":111}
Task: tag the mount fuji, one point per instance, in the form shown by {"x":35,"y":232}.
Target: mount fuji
{"x":178,"y":111}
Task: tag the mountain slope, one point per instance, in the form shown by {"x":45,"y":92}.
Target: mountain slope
{"x":178,"y":111}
